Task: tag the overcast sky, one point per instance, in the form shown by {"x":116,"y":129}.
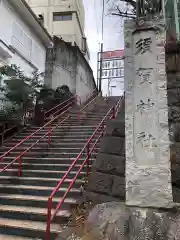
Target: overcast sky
{"x":113,"y":34}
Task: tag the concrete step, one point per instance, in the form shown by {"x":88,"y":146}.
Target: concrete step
{"x":41,"y":173}
{"x":37,"y":190}
{"x":42,"y":166}
{"x":83,"y":119}
{"x":55,"y":145}
{"x":53,"y":151}
{"x":43,"y":152}
{"x":32,"y":213}
{"x":29,"y":229}
{"x":34,"y":201}
{"x":48,"y":160}
{"x":8,"y":237}
{"x":37,"y":181}
{"x":59,"y":134}
{"x":76,"y":118}
{"x":78,"y":124}
{"x":89,"y":126}
{"x":64,"y":138}
{"x":57,"y":142}
{"x":50,"y":154}
{"x":67,"y":136}
{"x":44,"y":147}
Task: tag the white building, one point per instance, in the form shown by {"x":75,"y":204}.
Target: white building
{"x":64,"y":19}
{"x":23,"y":40}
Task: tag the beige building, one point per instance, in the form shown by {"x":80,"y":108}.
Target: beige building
{"x":64,"y":19}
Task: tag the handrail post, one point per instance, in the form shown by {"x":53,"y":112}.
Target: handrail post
{"x":48,"y":221}
{"x":88,"y":150}
{"x":114,"y":113}
{"x":49,"y":135}
{"x":79,"y":115}
{"x":19,"y":167}
{"x":2,"y":136}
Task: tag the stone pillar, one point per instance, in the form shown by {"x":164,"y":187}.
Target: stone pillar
{"x":148,"y":172}
{"x":129,"y":27}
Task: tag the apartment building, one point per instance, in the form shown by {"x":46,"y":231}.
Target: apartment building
{"x":23,"y":41}
{"x":64,"y":19}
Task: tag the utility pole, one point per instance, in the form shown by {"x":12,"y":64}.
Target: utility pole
{"x":101,"y":53}
{"x":109,"y":81}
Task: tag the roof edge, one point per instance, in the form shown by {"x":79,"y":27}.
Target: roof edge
{"x":41,"y":31}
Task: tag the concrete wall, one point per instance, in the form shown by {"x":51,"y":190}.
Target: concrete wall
{"x":85,"y":82}
{"x":67,"y":65}
{"x":25,"y":48}
{"x":62,"y":76}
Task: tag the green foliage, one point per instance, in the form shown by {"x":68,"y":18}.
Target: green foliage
{"x":19,"y":90}
{"x":134,"y":8}
{"x":63,"y":93}
{"x":122,"y":8}
{"x":49,"y":97}
{"x":27,"y":92}
{"x":11,"y":114}
{"x":45,"y":97}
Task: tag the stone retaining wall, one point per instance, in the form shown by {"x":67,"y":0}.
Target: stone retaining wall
{"x":173,"y":77}
{"x":107,"y":181}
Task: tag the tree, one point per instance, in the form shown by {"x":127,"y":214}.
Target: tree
{"x":20,"y":90}
{"x":63,"y":93}
{"x":122,"y":8}
{"x":45,"y":97}
{"x":28,"y":92}
{"x":134,"y":8}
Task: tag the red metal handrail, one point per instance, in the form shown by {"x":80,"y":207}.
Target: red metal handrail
{"x":67,"y":107}
{"x":19,"y":158}
{"x":89,"y":103}
{"x":89,"y":151}
{"x":6,"y":131}
{"x":49,"y":133}
{"x":14,"y":126}
{"x":91,"y":94}
{"x":59,"y":105}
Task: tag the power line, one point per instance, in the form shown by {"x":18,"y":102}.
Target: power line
{"x":103,"y":9}
{"x":95,"y":12}
{"x":101,"y":54}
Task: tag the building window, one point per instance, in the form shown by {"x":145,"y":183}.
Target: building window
{"x":84,"y":45}
{"x":59,"y":16}
{"x":21,"y":41}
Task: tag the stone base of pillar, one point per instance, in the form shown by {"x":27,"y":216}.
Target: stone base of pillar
{"x":116,"y":221}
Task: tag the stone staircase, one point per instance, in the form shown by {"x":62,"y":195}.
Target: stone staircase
{"x":23,"y":200}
